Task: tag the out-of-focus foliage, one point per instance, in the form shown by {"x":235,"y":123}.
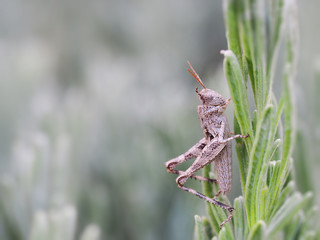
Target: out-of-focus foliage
{"x":94,"y":98}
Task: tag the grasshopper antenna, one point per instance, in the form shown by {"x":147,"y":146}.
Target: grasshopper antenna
{"x":195,"y":75}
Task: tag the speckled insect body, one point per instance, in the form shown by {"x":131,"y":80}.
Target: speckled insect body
{"x":215,"y":146}
{"x":223,"y":160}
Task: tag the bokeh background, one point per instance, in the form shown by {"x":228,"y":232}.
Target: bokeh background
{"x":95,"y":97}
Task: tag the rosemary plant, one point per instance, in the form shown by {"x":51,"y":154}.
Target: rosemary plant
{"x":270,"y":206}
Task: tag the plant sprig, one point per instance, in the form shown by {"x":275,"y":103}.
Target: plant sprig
{"x":270,"y":202}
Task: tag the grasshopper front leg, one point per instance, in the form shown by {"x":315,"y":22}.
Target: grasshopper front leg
{"x":193,"y":152}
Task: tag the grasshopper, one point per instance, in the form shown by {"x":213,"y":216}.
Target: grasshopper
{"x":215,"y":146}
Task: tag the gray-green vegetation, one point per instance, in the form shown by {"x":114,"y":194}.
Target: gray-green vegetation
{"x":95,"y":98}
{"x":270,"y":207}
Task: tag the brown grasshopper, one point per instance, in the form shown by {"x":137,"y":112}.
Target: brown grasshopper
{"x":215,"y":146}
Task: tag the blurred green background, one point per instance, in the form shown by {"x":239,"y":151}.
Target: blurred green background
{"x":95,"y":98}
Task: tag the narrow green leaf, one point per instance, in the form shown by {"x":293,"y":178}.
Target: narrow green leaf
{"x":262,"y":203}
{"x":224,"y":235}
{"x":275,"y":146}
{"x":277,"y":19}
{"x":240,"y":219}
{"x":254,"y":120}
{"x":309,"y":220}
{"x":208,"y":191}
{"x":207,"y":227}
{"x":219,"y":216}
{"x":258,"y":231}
{"x":255,"y":165}
{"x":242,"y":154}
{"x":216,"y":214}
{"x":239,"y":96}
{"x":272,"y":166}
{"x":288,"y":75}
{"x":290,"y":207}
{"x":199,"y":231}
{"x":279,"y":178}
{"x":232,"y":31}
{"x":293,"y":227}
{"x":243,"y":160}
{"x":207,"y":187}
{"x":283,"y":196}
{"x":214,"y":222}
{"x":278,"y":153}
{"x":288,"y":127}
{"x":268,"y":151}
{"x":247,"y":40}
{"x":260,"y":39}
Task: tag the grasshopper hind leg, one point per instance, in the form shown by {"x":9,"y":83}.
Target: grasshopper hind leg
{"x":212,"y":201}
{"x":196,"y":177}
{"x":208,"y":155}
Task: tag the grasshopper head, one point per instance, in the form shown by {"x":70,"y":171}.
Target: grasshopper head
{"x":207,"y":96}
{"x":210,"y":97}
